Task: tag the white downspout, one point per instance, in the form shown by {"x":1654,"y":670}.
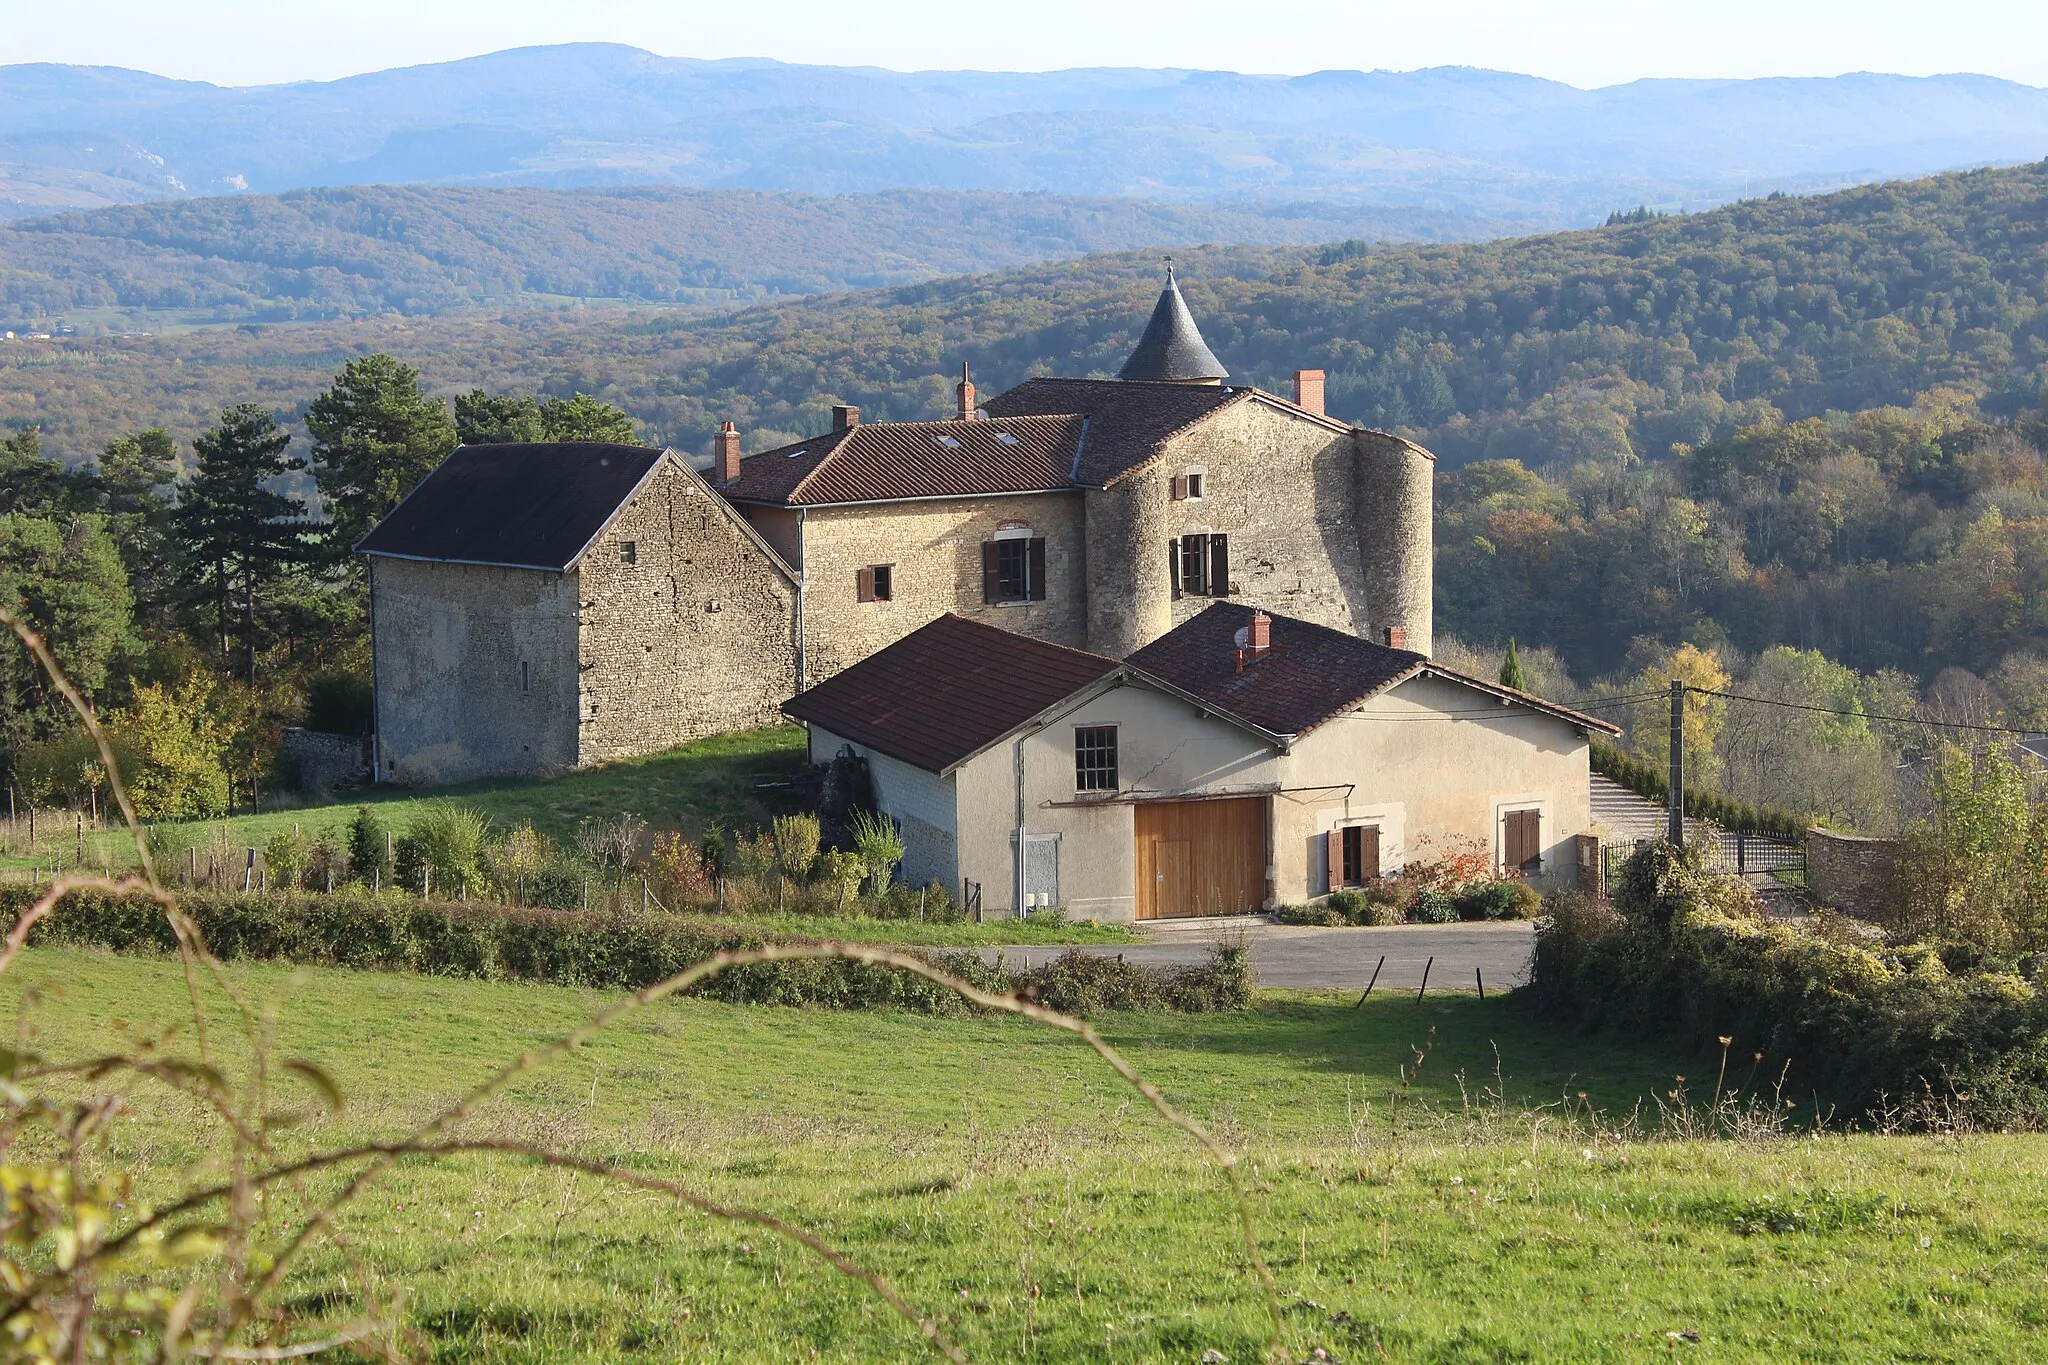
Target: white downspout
{"x":803,"y":676}
{"x":1020,"y":827}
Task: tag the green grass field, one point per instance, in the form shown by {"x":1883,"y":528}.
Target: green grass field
{"x":1007,"y":1183}
{"x":709,"y":780}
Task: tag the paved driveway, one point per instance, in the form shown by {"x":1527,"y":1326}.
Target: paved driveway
{"x":1302,"y":957}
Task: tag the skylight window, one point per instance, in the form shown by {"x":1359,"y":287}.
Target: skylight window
{"x":1006,"y":438}
{"x":949,"y":442}
{"x":792,"y":455}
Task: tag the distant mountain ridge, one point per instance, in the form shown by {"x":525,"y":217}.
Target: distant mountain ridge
{"x":1449,"y":139}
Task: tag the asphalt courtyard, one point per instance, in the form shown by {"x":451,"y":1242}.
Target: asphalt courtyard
{"x":1456,"y":956}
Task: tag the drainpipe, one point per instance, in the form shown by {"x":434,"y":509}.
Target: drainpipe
{"x":803,"y":677}
{"x":1020,"y":826}
{"x":376,"y":693}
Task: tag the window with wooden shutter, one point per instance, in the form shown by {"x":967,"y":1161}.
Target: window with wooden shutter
{"x":1010,"y":567}
{"x":1368,"y":853}
{"x":1219,"y":566}
{"x":1180,"y":487}
{"x":885,"y":582}
{"x":1353,"y":854}
{"x":864,"y":585}
{"x":1524,"y":840}
{"x":989,"y":570}
{"x":1173,"y":566}
{"x":1333,"y":859}
{"x":1035,"y":580}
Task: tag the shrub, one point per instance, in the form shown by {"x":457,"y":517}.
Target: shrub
{"x":612,"y":951}
{"x":879,"y":845}
{"x":285,"y":857}
{"x":444,"y":849}
{"x":1433,"y":907}
{"x":511,"y":863}
{"x":369,"y":855}
{"x":677,"y":870}
{"x":796,"y":844}
{"x":1894,"y":1035}
{"x":1509,"y":898}
{"x":1375,"y":905}
{"x":1322,"y":914}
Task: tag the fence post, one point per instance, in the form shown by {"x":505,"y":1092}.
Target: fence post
{"x":1425,"y":977}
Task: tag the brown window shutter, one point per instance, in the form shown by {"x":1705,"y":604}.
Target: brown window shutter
{"x":1369,"y":852}
{"x":864,"y":584}
{"x":1219,"y":566}
{"x":1180,"y":487}
{"x":1173,"y":565}
{"x":1037,"y":584}
{"x":1334,"y":843}
{"x":1525,"y":840}
{"x":988,"y":571}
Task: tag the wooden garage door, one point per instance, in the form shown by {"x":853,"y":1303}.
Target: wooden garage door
{"x":1200,"y":857}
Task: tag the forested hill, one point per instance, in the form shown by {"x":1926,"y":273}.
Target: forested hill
{"x":324,"y":254}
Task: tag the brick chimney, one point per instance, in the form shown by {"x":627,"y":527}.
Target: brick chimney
{"x":844,"y":417}
{"x":1308,"y":390}
{"x":1397,"y":637}
{"x":964,"y":393}
{"x":725,"y":449}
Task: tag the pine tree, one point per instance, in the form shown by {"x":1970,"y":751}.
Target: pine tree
{"x":135,"y":475}
{"x":375,"y":435}
{"x":235,"y":536}
{"x":1511,"y":674}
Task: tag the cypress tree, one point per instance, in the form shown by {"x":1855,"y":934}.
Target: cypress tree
{"x":1511,"y":674}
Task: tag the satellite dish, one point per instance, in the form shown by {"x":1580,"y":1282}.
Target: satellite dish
{"x":1243,"y":638}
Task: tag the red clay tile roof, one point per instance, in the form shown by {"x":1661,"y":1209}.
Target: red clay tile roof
{"x":946,"y":691}
{"x":880,"y":461}
{"x":531,"y":506}
{"x":1310,"y":674}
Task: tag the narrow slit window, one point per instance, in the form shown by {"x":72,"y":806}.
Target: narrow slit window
{"x":1095,"y":758}
{"x":525,"y":676}
{"x":629,"y":552}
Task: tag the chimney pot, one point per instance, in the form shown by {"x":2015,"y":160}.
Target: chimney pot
{"x":1308,"y":391}
{"x":725,"y":464}
{"x":964,"y":393}
{"x":1397,"y":637}
{"x":844,"y":416}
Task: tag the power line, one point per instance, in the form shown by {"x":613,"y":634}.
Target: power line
{"x":1864,"y":715}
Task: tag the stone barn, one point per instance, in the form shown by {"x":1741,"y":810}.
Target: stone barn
{"x":536,"y":608}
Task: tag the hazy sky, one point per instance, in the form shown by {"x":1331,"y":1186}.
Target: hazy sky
{"x":1585,"y":42}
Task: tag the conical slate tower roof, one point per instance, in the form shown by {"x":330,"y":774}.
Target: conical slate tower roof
{"x":1172,"y":347}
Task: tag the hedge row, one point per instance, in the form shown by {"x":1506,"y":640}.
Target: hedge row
{"x":491,"y":942}
{"x":1917,"y":1035}
{"x":1654,"y":784}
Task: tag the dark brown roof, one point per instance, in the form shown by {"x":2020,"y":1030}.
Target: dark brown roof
{"x":946,"y":691}
{"x":1311,"y":673}
{"x":879,"y":461}
{"x":1128,"y":420}
{"x":531,"y":506}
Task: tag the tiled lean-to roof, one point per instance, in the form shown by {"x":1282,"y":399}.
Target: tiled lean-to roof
{"x":533,"y":506}
{"x":1310,"y":674}
{"x":946,"y":691}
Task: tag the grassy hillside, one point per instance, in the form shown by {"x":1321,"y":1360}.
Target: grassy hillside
{"x":1009,"y":1186}
{"x":418,"y":251}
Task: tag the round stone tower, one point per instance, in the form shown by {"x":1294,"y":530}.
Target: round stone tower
{"x":1130,"y":591}
{"x":1397,"y":539}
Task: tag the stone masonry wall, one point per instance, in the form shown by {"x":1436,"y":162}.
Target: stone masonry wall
{"x":453,"y":700}
{"x":934,"y":550}
{"x":1284,"y":490}
{"x":696,"y":636}
{"x":1849,"y":873}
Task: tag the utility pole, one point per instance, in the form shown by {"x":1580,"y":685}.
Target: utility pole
{"x":1674,"y":828}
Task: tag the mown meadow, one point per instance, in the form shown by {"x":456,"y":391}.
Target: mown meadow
{"x":1449,"y":1180}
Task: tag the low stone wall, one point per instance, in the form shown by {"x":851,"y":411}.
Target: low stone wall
{"x":1849,"y":873}
{"x":326,"y":762}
